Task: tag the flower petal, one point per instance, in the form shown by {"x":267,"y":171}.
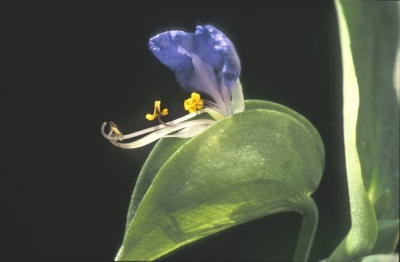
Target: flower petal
{"x":218,"y":51}
{"x":205,"y":61}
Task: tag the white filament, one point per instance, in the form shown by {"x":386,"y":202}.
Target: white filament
{"x":192,"y":128}
{"x":179,"y":127}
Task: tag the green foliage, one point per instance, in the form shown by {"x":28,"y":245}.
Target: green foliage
{"x":369,"y":34}
{"x":266,"y":160}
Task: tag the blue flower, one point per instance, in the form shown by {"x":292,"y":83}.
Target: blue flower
{"x":206,"y":62}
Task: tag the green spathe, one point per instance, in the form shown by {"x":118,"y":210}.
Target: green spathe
{"x":266,"y":160}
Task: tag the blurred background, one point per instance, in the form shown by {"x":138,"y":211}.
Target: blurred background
{"x":69,"y":66}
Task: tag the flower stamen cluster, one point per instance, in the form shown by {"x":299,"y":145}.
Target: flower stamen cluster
{"x":193,"y":103}
{"x":205,"y":61}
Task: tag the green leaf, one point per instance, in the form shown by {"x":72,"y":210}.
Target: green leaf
{"x":394,"y":257}
{"x":161,"y":152}
{"x":388,"y":235}
{"x":374,"y":31}
{"x":369,"y":33}
{"x":252,"y":164}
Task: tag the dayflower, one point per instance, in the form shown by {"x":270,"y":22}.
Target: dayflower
{"x":204,"y":62}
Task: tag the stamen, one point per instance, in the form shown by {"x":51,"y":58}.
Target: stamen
{"x":157,"y":111}
{"x":193,"y":103}
{"x":114,"y":131}
{"x":186,"y":128}
{"x":166,"y":124}
{"x":162,"y":133}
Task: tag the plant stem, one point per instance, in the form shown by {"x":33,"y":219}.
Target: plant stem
{"x":308,"y":227}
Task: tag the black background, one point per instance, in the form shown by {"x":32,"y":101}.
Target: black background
{"x":69,"y":66}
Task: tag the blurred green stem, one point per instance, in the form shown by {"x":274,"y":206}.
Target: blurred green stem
{"x":363,"y":232}
{"x":307,"y":231}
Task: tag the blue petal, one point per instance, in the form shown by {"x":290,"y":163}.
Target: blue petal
{"x":205,"y":61}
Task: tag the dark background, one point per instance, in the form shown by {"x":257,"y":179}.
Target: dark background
{"x":69,"y":66}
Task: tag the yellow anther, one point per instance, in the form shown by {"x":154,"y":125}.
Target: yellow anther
{"x":193,"y":103}
{"x":157,"y":111}
{"x":115,"y":131}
